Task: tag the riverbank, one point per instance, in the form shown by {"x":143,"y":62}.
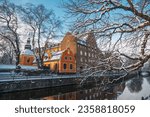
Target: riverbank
{"x":21,"y":84}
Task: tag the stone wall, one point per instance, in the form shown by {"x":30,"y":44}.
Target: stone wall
{"x":10,"y":86}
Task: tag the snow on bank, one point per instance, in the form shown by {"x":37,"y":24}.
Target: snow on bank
{"x":11,"y":67}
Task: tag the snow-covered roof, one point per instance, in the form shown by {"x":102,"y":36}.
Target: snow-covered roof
{"x":45,"y":59}
{"x":46,"y":55}
{"x":84,"y":38}
{"x":56,"y":55}
{"x":82,"y":42}
{"x":27,"y":52}
{"x":28,"y":67}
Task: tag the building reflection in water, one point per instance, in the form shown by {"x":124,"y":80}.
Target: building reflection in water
{"x":90,"y":94}
{"x":135,"y":88}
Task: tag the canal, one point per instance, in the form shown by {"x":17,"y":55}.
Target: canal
{"x":136,"y":88}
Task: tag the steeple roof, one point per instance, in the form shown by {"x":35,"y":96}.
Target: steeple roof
{"x":27,"y":49}
{"x":28,"y":45}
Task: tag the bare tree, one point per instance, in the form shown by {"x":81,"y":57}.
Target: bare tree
{"x":115,"y":22}
{"x":6,"y":52}
{"x":43,"y":26}
{"x":9,"y":26}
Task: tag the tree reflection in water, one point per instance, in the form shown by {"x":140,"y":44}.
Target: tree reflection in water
{"x":148,"y":79}
{"x":135,"y":85}
{"x":122,"y":90}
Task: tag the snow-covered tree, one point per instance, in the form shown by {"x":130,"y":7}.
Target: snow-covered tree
{"x":6,"y":52}
{"x":43,"y":26}
{"x":115,"y":23}
{"x":9,"y":26}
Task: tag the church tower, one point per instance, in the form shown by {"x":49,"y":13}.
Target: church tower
{"x":27,"y":56}
{"x":28,"y":45}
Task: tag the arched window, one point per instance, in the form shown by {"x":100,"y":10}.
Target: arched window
{"x":71,"y":66}
{"x":65,"y":66}
{"x":28,"y":60}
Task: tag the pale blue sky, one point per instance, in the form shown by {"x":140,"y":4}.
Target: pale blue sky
{"x":49,"y":4}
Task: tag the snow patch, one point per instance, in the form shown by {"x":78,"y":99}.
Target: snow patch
{"x":11,"y":67}
{"x":57,"y":55}
{"x":27,"y":52}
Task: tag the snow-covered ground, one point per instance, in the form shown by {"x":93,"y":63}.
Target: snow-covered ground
{"x":11,"y":67}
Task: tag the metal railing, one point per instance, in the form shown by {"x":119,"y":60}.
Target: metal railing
{"x":11,"y":76}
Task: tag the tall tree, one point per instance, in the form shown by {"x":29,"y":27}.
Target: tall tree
{"x":43,"y":26}
{"x":6,"y":52}
{"x":115,"y":22}
{"x":9,"y":26}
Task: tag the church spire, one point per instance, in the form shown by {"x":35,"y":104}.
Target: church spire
{"x":28,"y":45}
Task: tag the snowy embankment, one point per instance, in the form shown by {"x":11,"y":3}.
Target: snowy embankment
{"x":8,"y":68}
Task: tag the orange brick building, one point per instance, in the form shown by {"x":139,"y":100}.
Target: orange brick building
{"x":72,"y":54}
{"x":27,"y":56}
{"x":61,"y":62}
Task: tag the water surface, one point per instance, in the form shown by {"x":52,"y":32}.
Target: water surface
{"x":136,"y":88}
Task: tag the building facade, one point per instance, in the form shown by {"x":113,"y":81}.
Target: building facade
{"x":72,"y":54}
{"x":62,"y":62}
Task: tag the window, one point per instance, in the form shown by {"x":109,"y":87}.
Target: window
{"x":65,"y":58}
{"x":65,"y":66}
{"x":55,"y":68}
{"x":95,"y":56}
{"x":81,"y":52}
{"x":81,"y":60}
{"x":71,"y":66}
{"x":89,"y":54}
{"x":94,"y":96}
{"x":28,"y":60}
{"x":49,"y":65}
{"x":70,"y":58}
{"x":85,"y":54}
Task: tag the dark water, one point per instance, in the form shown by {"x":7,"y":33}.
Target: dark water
{"x":134,"y":89}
